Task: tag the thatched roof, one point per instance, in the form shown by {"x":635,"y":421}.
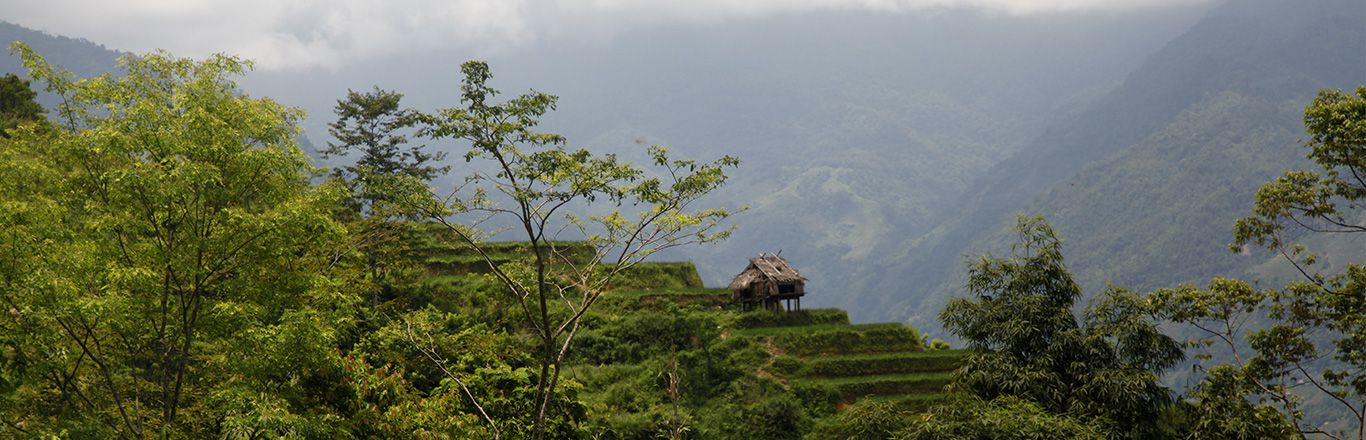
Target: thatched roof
{"x":767,"y":267}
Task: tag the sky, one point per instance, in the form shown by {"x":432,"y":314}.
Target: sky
{"x":330,"y":34}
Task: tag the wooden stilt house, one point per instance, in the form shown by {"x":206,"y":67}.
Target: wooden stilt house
{"x":767,"y":282}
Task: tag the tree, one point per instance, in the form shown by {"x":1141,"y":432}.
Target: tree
{"x":546,"y":193}
{"x":1005,"y":418}
{"x":1315,"y":344}
{"x":17,"y":103}
{"x":167,"y":266}
{"x":376,"y":125}
{"x":1029,"y":345}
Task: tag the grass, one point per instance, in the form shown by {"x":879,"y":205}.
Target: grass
{"x":634,"y":300}
{"x":672,"y":291}
{"x":822,"y":355}
{"x":816,"y":329}
{"x":809,"y":317}
{"x":441,"y":251}
{"x":913,"y":402}
{"x":653,"y":275}
{"x":835,"y":339}
{"x":446,"y":256}
{"x":852,"y":388}
{"x":882,"y":363}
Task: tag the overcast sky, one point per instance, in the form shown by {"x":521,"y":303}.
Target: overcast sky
{"x":329,"y":34}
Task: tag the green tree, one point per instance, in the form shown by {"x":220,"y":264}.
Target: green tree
{"x":1219,"y":409}
{"x":17,"y":103}
{"x":376,"y":125}
{"x":1029,"y":345}
{"x":545,"y":193}
{"x":445,"y":375}
{"x":1315,"y":343}
{"x":166,"y":262}
{"x":1004,"y":418}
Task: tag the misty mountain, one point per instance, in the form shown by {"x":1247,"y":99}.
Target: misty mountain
{"x":854,"y":137}
{"x":1144,"y":184}
{"x":855,"y":130}
{"x":80,"y":56}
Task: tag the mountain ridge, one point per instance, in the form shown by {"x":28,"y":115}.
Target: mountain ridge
{"x":1253,"y":53}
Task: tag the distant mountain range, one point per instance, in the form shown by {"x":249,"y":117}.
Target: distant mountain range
{"x":1145,"y":183}
{"x":80,"y":56}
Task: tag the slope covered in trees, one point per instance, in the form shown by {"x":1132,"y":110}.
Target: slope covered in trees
{"x":1146,"y":180}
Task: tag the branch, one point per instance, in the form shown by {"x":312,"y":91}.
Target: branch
{"x":432,"y":355}
{"x":1335,"y":396}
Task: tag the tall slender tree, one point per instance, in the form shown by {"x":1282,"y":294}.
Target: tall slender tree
{"x":375,"y":125}
{"x":546,"y":192}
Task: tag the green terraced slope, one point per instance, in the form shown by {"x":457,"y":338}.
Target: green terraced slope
{"x":841,"y":363}
{"x":816,"y":355}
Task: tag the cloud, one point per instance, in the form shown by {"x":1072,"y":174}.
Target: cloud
{"x":330,"y":34}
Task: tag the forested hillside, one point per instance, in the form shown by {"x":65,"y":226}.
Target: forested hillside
{"x":1144,"y":183}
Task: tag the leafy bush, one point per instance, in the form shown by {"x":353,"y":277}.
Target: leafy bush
{"x":865,"y":420}
{"x":635,"y":337}
{"x":1006,"y":418}
{"x":779,"y":416}
{"x":785,"y":365}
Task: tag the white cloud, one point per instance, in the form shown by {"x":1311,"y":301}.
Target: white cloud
{"x":304,"y":34}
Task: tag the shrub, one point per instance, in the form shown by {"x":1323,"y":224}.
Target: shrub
{"x":785,"y":365}
{"x":865,"y":420}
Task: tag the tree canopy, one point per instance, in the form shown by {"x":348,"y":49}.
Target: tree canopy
{"x":1030,"y":346}
{"x":17,"y":103}
{"x":166,"y":260}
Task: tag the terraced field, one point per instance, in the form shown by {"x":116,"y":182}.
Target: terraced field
{"x":444,"y":256}
{"x":842,"y":363}
{"x":656,"y":309}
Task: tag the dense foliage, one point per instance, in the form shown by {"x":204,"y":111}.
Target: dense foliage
{"x":1030,"y":346}
{"x":17,"y":103}
{"x":168,"y":267}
